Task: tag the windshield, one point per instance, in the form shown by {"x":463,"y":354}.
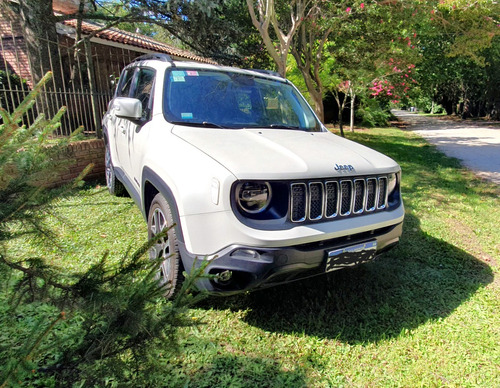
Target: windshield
{"x":233,"y":100}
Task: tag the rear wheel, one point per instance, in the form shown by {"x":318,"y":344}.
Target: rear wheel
{"x":166,"y":247}
{"x":115,"y":187}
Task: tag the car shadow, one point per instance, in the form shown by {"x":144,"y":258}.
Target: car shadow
{"x":423,"y":279}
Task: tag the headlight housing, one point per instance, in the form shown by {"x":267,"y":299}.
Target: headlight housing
{"x":393,"y":189}
{"x":391,"y":183}
{"x":253,"y":197}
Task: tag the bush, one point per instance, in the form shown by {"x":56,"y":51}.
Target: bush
{"x":106,"y":324}
{"x":426,"y":105}
{"x":372,"y":115}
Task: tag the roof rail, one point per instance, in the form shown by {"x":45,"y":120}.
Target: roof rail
{"x":270,"y":72}
{"x":158,"y":56}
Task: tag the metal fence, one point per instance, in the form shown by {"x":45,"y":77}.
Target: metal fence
{"x":83,"y":80}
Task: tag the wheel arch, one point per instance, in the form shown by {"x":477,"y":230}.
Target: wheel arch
{"x":153,"y":185}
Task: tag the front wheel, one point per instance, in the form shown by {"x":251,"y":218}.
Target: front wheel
{"x":166,"y":247}
{"x":115,"y":187}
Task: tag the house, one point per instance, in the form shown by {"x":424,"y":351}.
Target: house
{"x":87,"y":73}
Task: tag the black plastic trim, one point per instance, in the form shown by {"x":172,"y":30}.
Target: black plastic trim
{"x":148,"y":175}
{"x":273,"y":266}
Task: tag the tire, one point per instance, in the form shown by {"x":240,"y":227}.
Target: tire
{"x":115,"y":187}
{"x":166,"y":248}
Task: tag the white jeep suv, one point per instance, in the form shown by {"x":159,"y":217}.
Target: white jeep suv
{"x":251,"y":180}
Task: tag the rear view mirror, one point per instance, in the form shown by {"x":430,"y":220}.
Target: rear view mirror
{"x":127,"y":108}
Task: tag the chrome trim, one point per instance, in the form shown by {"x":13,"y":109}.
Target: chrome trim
{"x":310,"y":200}
{"x":356,"y":186}
{"x":292,"y":204}
{"x":355,"y":196}
{"x":375,"y":194}
{"x":384,"y":204}
{"x":327,"y":200}
{"x":348,"y":212}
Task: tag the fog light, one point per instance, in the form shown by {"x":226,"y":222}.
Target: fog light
{"x":245,"y":254}
{"x":224,"y":277}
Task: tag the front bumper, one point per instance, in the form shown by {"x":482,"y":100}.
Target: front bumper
{"x":239,"y":268}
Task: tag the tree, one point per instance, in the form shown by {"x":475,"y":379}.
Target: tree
{"x":39,"y":26}
{"x":110,"y":314}
{"x":283,"y":25}
{"x":458,"y":42}
{"x":307,"y":49}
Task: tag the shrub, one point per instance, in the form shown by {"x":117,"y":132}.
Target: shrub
{"x":372,"y":115}
{"x":105,"y":324}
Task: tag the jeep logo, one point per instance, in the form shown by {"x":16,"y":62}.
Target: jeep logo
{"x":343,"y":167}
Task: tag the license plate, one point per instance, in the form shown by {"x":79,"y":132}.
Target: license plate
{"x":350,"y":256}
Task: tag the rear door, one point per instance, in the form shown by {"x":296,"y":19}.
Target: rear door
{"x":120,"y":125}
{"x":137,"y":132}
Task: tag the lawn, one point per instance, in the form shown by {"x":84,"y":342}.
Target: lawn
{"x":424,"y":314}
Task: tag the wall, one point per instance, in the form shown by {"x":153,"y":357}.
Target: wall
{"x":83,"y":153}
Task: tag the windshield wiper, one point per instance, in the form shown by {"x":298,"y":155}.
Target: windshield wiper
{"x":198,"y":124}
{"x":283,"y":126}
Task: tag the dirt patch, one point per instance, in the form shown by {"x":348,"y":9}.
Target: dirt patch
{"x":399,"y":124}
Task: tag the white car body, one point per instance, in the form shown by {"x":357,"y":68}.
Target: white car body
{"x":197,"y":170}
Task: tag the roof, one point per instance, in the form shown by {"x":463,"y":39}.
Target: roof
{"x":66,"y":7}
{"x":137,"y":40}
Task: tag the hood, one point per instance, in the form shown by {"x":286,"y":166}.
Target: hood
{"x":285,"y":154}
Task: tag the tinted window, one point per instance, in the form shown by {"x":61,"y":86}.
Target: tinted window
{"x":123,"y":89}
{"x":143,"y":88}
{"x":235,"y":100}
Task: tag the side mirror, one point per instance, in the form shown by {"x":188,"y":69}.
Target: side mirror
{"x":127,"y":108}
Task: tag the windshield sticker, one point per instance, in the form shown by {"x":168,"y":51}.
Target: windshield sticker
{"x":186,"y":116}
{"x":192,"y":73}
{"x":178,"y":76}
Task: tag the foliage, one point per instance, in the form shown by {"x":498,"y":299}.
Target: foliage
{"x":423,"y":314}
{"x":219,"y":29}
{"x":23,"y":175}
{"x":371,"y":114}
{"x":10,"y":82}
{"x":105,"y":321}
{"x":458,"y":43}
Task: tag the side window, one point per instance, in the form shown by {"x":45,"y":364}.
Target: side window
{"x":143,"y":89}
{"x":125,"y":83}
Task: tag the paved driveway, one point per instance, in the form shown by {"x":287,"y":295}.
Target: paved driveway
{"x":476,"y":144}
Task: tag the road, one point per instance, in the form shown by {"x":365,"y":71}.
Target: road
{"x":475,"y":143}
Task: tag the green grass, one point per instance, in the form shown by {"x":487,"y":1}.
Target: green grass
{"x":424,"y":314}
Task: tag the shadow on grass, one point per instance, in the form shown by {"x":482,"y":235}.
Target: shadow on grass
{"x":422,"y":279}
{"x":242,"y":371}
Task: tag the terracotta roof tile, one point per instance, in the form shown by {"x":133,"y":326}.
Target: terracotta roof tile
{"x":66,"y":7}
{"x":137,"y":40}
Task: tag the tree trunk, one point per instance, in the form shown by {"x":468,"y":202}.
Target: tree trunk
{"x":39,"y":27}
{"x":341,"y":106}
{"x":319,"y":108}
{"x":341,"y":126}
{"x":353,"y":98}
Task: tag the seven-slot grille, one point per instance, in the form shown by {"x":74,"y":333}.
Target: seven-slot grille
{"x":322,"y":199}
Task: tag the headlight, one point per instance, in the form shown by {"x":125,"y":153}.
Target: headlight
{"x":253,"y":197}
{"x":393,"y":190}
{"x":391,"y":183}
